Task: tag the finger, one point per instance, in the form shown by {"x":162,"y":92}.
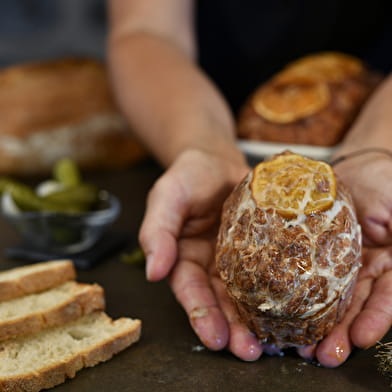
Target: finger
{"x":158,"y":234}
{"x":242,"y":343}
{"x":308,"y":351}
{"x":375,"y":319}
{"x":189,"y":283}
{"x":337,"y":346}
{"x":377,"y":231}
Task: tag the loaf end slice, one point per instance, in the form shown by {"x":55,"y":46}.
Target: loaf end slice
{"x":49,"y":357}
{"x":56,"y":306}
{"x":34,"y":278}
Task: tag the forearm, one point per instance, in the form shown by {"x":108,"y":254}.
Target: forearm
{"x":373,"y":128}
{"x":168,"y":101}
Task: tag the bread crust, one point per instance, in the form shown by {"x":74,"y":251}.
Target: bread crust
{"x":86,"y":299}
{"x":50,"y":376}
{"x":37,"y":277}
{"x":348,"y":89}
{"x":75,"y":89}
{"x":62,"y":108}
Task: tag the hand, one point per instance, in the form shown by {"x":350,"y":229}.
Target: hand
{"x":369,"y":178}
{"x":370,"y":314}
{"x":178,"y":237}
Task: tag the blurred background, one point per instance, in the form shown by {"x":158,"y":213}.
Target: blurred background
{"x":43,"y":29}
{"x":64,"y":108}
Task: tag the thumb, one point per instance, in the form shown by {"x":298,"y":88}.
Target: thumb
{"x":162,"y":223}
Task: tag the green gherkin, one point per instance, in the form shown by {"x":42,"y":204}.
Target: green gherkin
{"x":83,"y":195}
{"x":66,"y":172}
{"x":74,"y":198}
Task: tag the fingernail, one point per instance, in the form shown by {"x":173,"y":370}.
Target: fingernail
{"x":340,"y":353}
{"x":255,"y":351}
{"x":149,"y":263}
{"x":218,"y":341}
{"x":336,"y":355}
{"x":307,"y":351}
{"x":252,"y":353}
{"x":213,"y":341}
{"x":369,"y":346}
{"x":208,"y":332}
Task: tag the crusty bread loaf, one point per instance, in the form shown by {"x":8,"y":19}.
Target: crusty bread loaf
{"x":61,"y":108}
{"x":313,"y":100}
{"x":56,"y":306}
{"x":47,"y":358}
{"x":34,"y":278}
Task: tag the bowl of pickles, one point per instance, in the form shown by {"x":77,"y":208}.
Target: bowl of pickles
{"x":62,"y":215}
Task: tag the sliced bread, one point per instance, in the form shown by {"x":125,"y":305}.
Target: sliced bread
{"x":34,"y":278}
{"x":56,"y":306}
{"x":62,"y":351}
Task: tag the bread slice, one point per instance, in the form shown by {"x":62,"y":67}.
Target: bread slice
{"x":62,"y":351}
{"x":34,"y":278}
{"x":55,"y":306}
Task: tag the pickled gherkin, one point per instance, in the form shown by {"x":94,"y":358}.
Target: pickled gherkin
{"x":27,"y":200}
{"x":83,"y":195}
{"x":74,"y":196}
{"x":136,"y":257}
{"x":24,"y":196}
{"x":60,"y":215}
{"x":4,"y":182}
{"x":66,"y":172}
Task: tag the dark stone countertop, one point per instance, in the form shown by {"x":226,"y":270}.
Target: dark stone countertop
{"x":169,"y":356}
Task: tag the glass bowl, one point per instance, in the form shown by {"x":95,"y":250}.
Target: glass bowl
{"x":65,"y":233}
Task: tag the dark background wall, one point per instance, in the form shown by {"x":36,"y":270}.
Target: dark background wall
{"x":42,"y":29}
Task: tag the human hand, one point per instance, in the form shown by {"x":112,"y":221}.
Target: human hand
{"x":370,"y":314}
{"x":369,"y":178}
{"x":178,"y":237}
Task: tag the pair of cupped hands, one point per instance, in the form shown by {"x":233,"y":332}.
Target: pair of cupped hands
{"x":178,"y":236}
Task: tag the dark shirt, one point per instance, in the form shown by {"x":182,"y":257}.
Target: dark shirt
{"x":243,"y":42}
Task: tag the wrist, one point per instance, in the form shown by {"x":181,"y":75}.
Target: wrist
{"x":369,"y":153}
{"x":351,"y":165}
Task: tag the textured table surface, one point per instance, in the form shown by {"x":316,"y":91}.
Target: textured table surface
{"x":169,"y":357}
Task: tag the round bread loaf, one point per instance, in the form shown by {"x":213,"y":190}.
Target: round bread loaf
{"x":312,"y":101}
{"x":61,"y":108}
{"x":288,"y":250}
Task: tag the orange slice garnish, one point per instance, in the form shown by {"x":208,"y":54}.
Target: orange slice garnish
{"x":286,"y":100}
{"x":326,"y":66}
{"x":293,"y":185}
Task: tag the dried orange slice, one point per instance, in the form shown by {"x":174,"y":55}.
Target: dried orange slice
{"x":293,"y":185}
{"x":326,"y":66}
{"x":284,"y":101}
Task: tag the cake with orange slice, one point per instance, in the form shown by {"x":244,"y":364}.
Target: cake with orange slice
{"x":288,"y":250}
{"x":312,"y":101}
